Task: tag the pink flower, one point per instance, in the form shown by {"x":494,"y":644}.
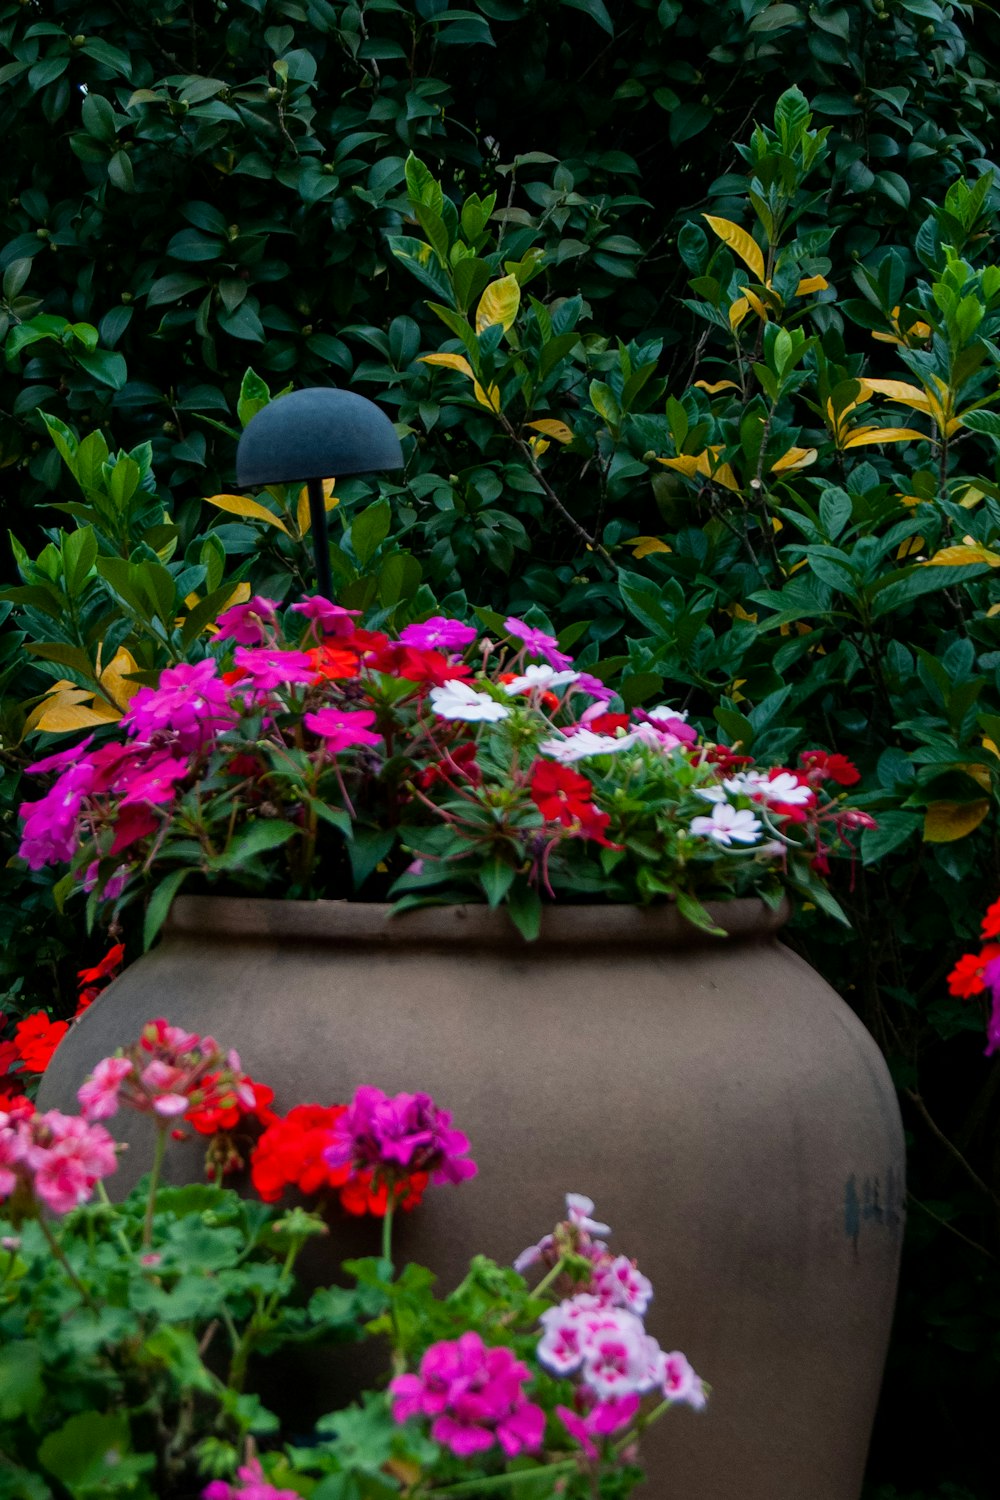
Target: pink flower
{"x":340,"y":728}
{"x":991,"y":979}
{"x":475,"y":1396}
{"x":271,"y":668}
{"x":438,"y":634}
{"x":602,"y":1420}
{"x":98,"y":1096}
{"x":620,"y":1284}
{"x":252,"y":1485}
{"x":607,"y":1346}
{"x":587,"y":683}
{"x":189,"y":701}
{"x":578,"y":1211}
{"x":537,"y":642}
{"x":49,"y":835}
{"x":248,"y":624}
{"x":61,"y":759}
{"x":567,"y":1328}
{"x":679,"y":1382}
{"x":333,"y":619}
{"x":582,"y":743}
{"x":155,"y":782}
{"x":58,"y":1158}
{"x":667,"y":725}
{"x":399,"y":1136}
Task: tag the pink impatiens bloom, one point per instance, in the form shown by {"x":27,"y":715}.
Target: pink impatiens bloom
{"x":475,"y":1396}
{"x":330,"y":618}
{"x":249,"y":624}
{"x":340,"y":728}
{"x":537,"y":642}
{"x":272,"y":668}
{"x":190,"y":701}
{"x":49,"y":836}
{"x":438,"y":634}
{"x":155,"y":781}
{"x":399,"y":1136}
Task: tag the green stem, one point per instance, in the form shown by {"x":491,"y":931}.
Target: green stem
{"x":547,"y":1281}
{"x":154,"y":1182}
{"x":390,"y":1209}
{"x":60,"y":1255}
{"x":497,"y":1481}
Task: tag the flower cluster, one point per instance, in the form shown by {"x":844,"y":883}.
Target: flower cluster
{"x":50,"y":1159}
{"x":597,"y":1334}
{"x":475,"y":1397}
{"x":168,"y":1073}
{"x":252,"y":1485}
{"x":979,"y":974}
{"x":490,"y":770}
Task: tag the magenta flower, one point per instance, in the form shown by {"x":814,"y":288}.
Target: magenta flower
{"x":332,"y":619}
{"x":399,"y":1136}
{"x":189,"y":702}
{"x":607,"y":1346}
{"x":618,"y":1283}
{"x":438,"y":634}
{"x":586,"y":682}
{"x":991,"y":978}
{"x":248,"y":624}
{"x":155,"y":782}
{"x":475,"y":1396}
{"x":49,"y":835}
{"x":98,"y":1096}
{"x":678,"y":1381}
{"x":252,"y":1485}
{"x":340,"y":728}
{"x":270,"y":668}
{"x":537,"y":642}
{"x":603,"y":1419}
{"x":61,"y":759}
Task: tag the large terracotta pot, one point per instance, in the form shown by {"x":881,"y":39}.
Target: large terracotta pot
{"x":729,"y":1114}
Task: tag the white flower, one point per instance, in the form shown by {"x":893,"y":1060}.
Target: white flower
{"x":578,"y":1212}
{"x":583,"y":743}
{"x":664,"y":711}
{"x":785,"y":788}
{"x":541,"y":678}
{"x":457,"y":700}
{"x":727,"y":825}
{"x":711,"y":793}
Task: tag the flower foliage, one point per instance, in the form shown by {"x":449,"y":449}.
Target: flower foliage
{"x":311,"y":755}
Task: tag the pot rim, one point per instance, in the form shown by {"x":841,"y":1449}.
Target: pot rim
{"x":357,"y":923}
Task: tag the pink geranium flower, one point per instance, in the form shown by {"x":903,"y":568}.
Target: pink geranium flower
{"x":98,"y":1096}
{"x":678,"y":1381}
{"x":475,"y":1396}
{"x":340,"y":728}
{"x":56,"y":1159}
{"x":602,"y":1419}
{"x":251,"y":1485}
{"x":166,"y":1073}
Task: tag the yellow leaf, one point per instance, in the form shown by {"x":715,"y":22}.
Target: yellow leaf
{"x":980,"y":774}
{"x":912,"y":500}
{"x":960,"y":557}
{"x":776,"y":524}
{"x":490,"y":399}
{"x":720,"y":385}
{"x":114,"y":681}
{"x":539,"y":445}
{"x":909,"y":548}
{"x":739,"y":613}
{"x":755,"y":303}
{"x":988,"y":744}
{"x":550,"y":428}
{"x":795,"y":458}
{"x":250,"y":510}
{"x":734,"y":690}
{"x":684,"y":463}
{"x":886,"y":338}
{"x":646,"y":545}
{"x":971,"y":497}
{"x":811,"y":284}
{"x":63,"y":711}
{"x":739,"y":242}
{"x":864,"y":436}
{"x":498,"y":304}
{"x":448,"y":362}
{"x":944,"y":822}
{"x":738,"y":312}
{"x":303,"y":516}
{"x":899,"y":390}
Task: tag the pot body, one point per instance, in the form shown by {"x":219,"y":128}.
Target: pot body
{"x":728,"y":1113}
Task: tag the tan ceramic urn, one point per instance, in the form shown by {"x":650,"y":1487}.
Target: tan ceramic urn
{"x":728,"y":1113}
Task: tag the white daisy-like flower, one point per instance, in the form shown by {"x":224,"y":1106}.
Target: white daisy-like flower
{"x":728,"y":825}
{"x":583,"y":743}
{"x":457,"y":700}
{"x":539,"y":678}
{"x":664,"y":711}
{"x":786,"y":788}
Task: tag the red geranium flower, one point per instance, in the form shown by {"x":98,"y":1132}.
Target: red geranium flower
{"x":36,"y":1038}
{"x":991,"y":921}
{"x":966,"y":978}
{"x":290,"y":1153}
{"x":358,"y":1196}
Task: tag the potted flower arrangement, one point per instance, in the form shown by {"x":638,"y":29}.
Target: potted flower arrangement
{"x":131,"y":1331}
{"x":561,"y":916}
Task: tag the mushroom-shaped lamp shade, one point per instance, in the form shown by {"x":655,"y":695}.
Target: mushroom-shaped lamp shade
{"x":313,"y":435}
{"x":316,"y":434}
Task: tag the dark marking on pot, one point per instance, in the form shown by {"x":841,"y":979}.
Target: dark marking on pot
{"x":872,"y":1205}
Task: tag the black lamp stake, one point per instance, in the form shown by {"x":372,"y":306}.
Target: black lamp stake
{"x":312,"y":435}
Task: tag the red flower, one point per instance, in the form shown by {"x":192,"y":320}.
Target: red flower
{"x":561,"y":793}
{"x":226,"y":1113}
{"x":105,"y":969}
{"x":333,"y":662}
{"x":415,"y":664}
{"x":608,"y":723}
{"x":723,"y":757}
{"x":966,"y":978}
{"x":833,"y":767}
{"x":461,"y":761}
{"x":991,"y":921}
{"x":133,"y":823}
{"x":290,"y":1153}
{"x":358,"y":1196}
{"x":36,"y":1038}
